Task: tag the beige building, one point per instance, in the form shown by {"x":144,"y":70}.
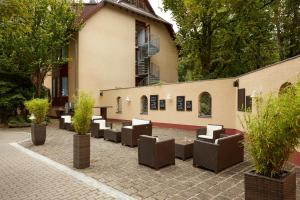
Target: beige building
{"x":122,"y":44}
{"x":126,"y":58}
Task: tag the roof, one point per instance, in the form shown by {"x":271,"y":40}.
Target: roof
{"x":91,"y":8}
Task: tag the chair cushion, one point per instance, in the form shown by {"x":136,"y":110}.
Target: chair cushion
{"x":102,"y":124}
{"x":67,"y":118}
{"x":139,"y":122}
{"x":96,"y":117}
{"x":205,"y":136}
{"x":211,"y":128}
{"x":128,"y":127}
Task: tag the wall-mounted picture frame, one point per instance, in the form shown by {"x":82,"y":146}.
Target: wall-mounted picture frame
{"x":153,"y":102}
{"x":180,"y":103}
{"x":162,"y":104}
{"x":189,"y":106}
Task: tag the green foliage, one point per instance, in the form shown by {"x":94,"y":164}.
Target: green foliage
{"x":32,"y":34}
{"x":15,"y":88}
{"x":273,"y":133}
{"x":84,"y":104}
{"x":39,"y":109}
{"x":224,"y":38}
{"x":18,"y":121}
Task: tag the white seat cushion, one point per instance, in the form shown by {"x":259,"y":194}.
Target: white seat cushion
{"x":102,"y":124}
{"x":205,"y":136}
{"x":96,"y":117}
{"x":139,"y":122}
{"x":128,"y":127}
{"x":211,"y":128}
{"x":67,"y":118}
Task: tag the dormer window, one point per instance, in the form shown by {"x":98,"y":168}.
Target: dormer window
{"x":138,"y":3}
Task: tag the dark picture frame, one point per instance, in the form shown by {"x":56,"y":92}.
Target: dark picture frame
{"x":180,"y":103}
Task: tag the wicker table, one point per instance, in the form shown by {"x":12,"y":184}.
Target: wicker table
{"x":112,"y":135}
{"x":184,"y":149}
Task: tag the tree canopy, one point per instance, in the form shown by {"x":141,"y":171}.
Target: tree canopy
{"x":222,"y":38}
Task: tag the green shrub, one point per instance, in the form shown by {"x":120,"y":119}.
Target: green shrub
{"x":84,"y":104}
{"x":273,"y":132}
{"x":39,"y":108}
{"x":18,"y":121}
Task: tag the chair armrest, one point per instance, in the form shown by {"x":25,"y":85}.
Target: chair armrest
{"x":201,"y":131}
{"x":108,"y":124}
{"x":127,"y":123}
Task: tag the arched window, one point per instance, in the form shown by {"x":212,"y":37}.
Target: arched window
{"x":284,"y":87}
{"x":119,"y":105}
{"x":204,"y":104}
{"x":144,"y":105}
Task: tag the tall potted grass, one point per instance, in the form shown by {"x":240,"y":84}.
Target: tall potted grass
{"x":81,"y":121}
{"x":39,"y":109}
{"x":272,"y":134}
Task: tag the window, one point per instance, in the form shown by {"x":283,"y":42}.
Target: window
{"x":58,"y":87}
{"x":205,"y":105}
{"x":64,"y":87}
{"x":144,"y":105}
{"x":119,"y":105}
{"x":241,"y":99}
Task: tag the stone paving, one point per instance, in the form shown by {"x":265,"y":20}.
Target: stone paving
{"x":23,"y":177}
{"x":117,"y":166}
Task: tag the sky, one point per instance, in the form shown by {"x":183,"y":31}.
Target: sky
{"x":157,"y":6}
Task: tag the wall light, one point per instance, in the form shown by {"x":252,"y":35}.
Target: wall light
{"x":169,"y":97}
{"x":127,"y":99}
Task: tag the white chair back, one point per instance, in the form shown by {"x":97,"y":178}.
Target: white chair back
{"x":101,"y":122}
{"x":211,"y":128}
{"x":139,"y":122}
{"x":67,"y":118}
{"x":96,"y":117}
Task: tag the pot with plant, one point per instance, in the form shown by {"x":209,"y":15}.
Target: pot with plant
{"x":81,"y":121}
{"x":38,"y":109}
{"x":272,"y":135}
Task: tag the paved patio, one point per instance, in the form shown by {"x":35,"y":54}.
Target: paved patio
{"x":117,"y":166}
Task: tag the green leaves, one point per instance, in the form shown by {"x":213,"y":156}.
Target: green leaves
{"x":273,"y":132}
{"x":83,"y":113}
{"x":39,"y":109}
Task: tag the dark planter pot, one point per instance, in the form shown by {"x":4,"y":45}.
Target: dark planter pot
{"x":81,"y":151}
{"x":258,"y":187}
{"x":38,"y":134}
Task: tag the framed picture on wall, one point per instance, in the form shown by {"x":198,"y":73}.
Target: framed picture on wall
{"x":162,"y":104}
{"x":189,"y":105}
{"x":153,"y":102}
{"x":180,"y":103}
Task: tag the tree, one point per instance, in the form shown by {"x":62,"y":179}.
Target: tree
{"x":223,"y":38}
{"x":46,"y":26}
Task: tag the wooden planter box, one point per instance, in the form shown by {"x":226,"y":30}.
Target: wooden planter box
{"x":38,"y":134}
{"x":81,"y":151}
{"x":266,"y":188}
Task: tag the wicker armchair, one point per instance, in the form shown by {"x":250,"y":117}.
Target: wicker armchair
{"x":210,"y":133}
{"x":98,"y":127}
{"x":133,"y":129}
{"x":156,"y":154}
{"x":223,"y":153}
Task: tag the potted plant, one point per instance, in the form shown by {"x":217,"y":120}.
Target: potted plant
{"x":81,"y":121}
{"x":39,"y":109}
{"x":272,"y":134}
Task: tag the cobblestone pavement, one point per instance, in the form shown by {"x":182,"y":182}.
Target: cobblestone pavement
{"x":117,"y":166}
{"x":23,"y":177}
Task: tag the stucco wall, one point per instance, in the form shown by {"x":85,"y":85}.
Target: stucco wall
{"x":224,"y":96}
{"x":268,"y":80}
{"x":221,"y":91}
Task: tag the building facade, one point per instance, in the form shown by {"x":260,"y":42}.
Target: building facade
{"x":122,"y":44}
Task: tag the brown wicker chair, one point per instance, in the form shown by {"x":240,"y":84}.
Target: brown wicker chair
{"x":210,"y":135}
{"x":64,"y":120}
{"x":156,"y":154}
{"x":98,"y":127}
{"x":225,"y":152}
{"x":133,"y":129}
